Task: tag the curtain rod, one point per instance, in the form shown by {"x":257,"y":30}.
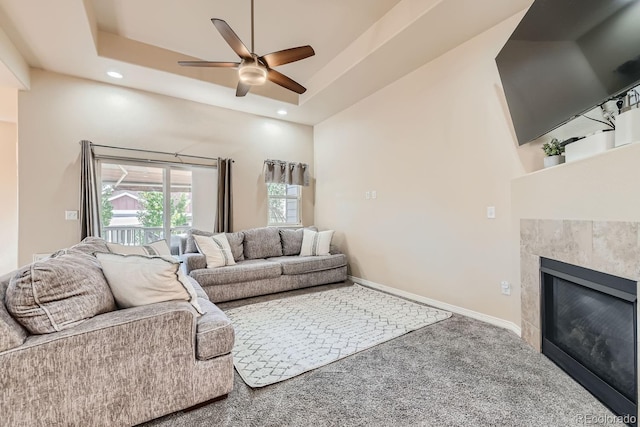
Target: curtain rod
{"x":149,"y":161}
{"x":153,"y":152}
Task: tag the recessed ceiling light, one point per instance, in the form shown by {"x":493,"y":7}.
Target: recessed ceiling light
{"x":282,"y":112}
{"x":114,"y":74}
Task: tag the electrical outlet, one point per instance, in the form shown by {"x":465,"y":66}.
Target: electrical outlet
{"x":367,"y":195}
{"x":374,"y":194}
{"x":505,"y":287}
{"x":491,"y":212}
{"x":71,"y":215}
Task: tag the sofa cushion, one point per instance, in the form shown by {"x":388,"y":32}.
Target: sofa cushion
{"x":137,"y":280}
{"x":303,"y":264}
{"x":235,"y":242}
{"x":291,"y":241}
{"x":216,"y":249}
{"x":262,"y":242}
{"x":316,"y":243}
{"x":12,"y":334}
{"x":58,"y":293}
{"x":193,"y":262}
{"x":243,"y":271}
{"x":197,"y":288}
{"x":214,"y":332}
{"x":89,"y":245}
{"x":159,"y":248}
{"x":190,"y":245}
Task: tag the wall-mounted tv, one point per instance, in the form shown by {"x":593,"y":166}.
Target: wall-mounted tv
{"x":566,"y":57}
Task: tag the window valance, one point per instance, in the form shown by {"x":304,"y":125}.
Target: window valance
{"x":282,"y":172}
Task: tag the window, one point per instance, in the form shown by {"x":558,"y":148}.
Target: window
{"x":142,"y":203}
{"x":284,"y":204}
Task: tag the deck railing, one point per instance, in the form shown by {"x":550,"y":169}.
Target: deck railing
{"x":135,"y":235}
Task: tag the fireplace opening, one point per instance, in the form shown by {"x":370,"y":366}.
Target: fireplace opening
{"x":589,"y":329}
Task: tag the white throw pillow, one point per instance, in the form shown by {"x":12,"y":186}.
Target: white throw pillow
{"x":159,"y":248}
{"x":216,"y":248}
{"x":140,"y":280}
{"x":315,"y":243}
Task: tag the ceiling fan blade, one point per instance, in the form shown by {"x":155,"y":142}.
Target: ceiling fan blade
{"x":208,"y":64}
{"x":242,"y":89}
{"x":231,"y":38}
{"x":285,"y":82}
{"x":288,"y":55}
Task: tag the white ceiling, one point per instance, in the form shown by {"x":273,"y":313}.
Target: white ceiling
{"x":361,"y":45}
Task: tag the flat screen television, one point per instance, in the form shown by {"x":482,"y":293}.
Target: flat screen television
{"x":567,"y":57}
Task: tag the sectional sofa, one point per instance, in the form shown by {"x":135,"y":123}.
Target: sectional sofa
{"x":118,"y":368}
{"x":267,"y":260}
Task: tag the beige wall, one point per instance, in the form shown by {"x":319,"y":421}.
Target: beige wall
{"x":8,"y":179}
{"x":60,"y":110}
{"x":438,"y":147}
{"x":9,"y":197}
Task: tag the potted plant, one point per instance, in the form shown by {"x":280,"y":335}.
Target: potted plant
{"x":554,"y":152}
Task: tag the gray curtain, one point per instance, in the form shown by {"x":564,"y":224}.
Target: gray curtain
{"x":89,"y":194}
{"x":224,"y":211}
{"x":281,"y":172}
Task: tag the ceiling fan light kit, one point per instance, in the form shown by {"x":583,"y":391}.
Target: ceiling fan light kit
{"x":252,"y":73}
{"x":255,"y":70}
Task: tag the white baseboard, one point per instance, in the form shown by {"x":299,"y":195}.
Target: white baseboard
{"x":443,"y":305}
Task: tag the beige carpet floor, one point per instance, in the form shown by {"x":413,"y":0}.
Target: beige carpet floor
{"x":457,"y":372}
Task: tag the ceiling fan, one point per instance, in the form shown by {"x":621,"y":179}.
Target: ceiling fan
{"x":253,"y":69}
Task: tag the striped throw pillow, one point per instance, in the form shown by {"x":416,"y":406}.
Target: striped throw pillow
{"x":316,"y":243}
{"x":216,"y":249}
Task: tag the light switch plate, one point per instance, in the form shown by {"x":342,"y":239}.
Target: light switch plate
{"x":71,"y":215}
{"x":491,"y":212}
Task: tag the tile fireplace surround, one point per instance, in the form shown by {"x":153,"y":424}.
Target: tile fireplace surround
{"x":606,"y":246}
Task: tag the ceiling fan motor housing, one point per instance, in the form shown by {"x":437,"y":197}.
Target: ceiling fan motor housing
{"x":252,"y":72}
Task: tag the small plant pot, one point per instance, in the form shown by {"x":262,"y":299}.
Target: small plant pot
{"x":553,"y":160}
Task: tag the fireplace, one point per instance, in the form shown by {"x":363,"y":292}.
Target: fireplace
{"x":589,"y":329}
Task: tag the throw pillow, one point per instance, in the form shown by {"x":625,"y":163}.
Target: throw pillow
{"x":235,"y":242}
{"x":90,"y":245}
{"x":158,"y":248}
{"x":137,"y":280}
{"x":190,"y":246}
{"x":316,"y":243}
{"x":262,"y":242}
{"x":58,"y":293}
{"x":292,"y":240}
{"x":216,"y":249}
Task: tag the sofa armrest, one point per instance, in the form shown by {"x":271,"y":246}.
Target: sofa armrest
{"x":118,"y":367}
{"x":192,"y":262}
{"x":114,"y":319}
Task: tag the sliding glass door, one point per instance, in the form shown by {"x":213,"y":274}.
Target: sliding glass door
{"x":143,"y":203}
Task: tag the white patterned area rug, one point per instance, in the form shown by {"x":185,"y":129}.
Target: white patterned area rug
{"x":279,"y":339}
